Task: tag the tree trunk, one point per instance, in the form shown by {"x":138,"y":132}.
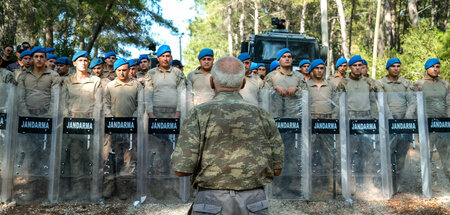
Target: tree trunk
{"x":303,"y":18}
{"x":256,"y":27}
{"x":388,"y":24}
{"x":241,"y":21}
{"x":375,"y":41}
{"x":98,"y":27}
{"x":351,"y":27}
{"x":330,"y":60}
{"x":433,"y":12}
{"x":230,"y":36}
{"x":445,"y":15}
{"x":397,"y":36}
{"x":8,"y":23}
{"x":77,"y":21}
{"x":412,"y":11}
{"x":343,"y":28}
{"x":393,"y":7}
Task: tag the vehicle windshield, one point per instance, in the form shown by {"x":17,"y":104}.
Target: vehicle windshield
{"x":266,"y":50}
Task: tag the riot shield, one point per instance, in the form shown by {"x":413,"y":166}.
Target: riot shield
{"x":6,"y":130}
{"x":35,"y":138}
{"x":77,"y":155}
{"x":434,"y":134}
{"x":323,"y":151}
{"x":123,"y":137}
{"x":160,"y":184}
{"x":364,"y":150}
{"x":287,"y":112}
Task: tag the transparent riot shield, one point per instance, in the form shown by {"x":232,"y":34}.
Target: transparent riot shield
{"x":160,"y":184}
{"x":402,"y":138}
{"x":364,"y":150}
{"x":6,"y":130}
{"x":287,"y":112}
{"x":123,"y":137}
{"x":35,"y":137}
{"x":323,"y":151}
{"x":77,"y":155}
{"x":434,"y":134}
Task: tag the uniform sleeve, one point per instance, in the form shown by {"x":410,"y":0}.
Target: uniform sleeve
{"x":335,"y":98}
{"x":55,"y":90}
{"x":276,"y":142}
{"x":373,"y":99}
{"x":10,"y":78}
{"x":190,"y":91}
{"x":447,"y":98}
{"x":181,"y":89}
{"x":185,"y":157}
{"x":268,"y":82}
{"x":148,"y":93}
{"x":139,"y":98}
{"x":23,"y":109}
{"x":107,"y":102}
{"x":411,"y":99}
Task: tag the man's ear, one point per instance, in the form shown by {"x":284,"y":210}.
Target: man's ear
{"x":243,"y":83}
{"x":211,"y":82}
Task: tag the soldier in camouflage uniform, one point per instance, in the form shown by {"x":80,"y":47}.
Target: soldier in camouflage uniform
{"x":230,"y":147}
{"x":251,"y":91}
{"x":26,"y":62}
{"x":341,"y":66}
{"x":304,"y":68}
{"x":361,"y":103}
{"x":109,"y":60}
{"x":121,"y":100}
{"x":198,"y":87}
{"x":63,"y":66}
{"x":401,"y":102}
{"x":97,"y":69}
{"x":436,"y":93}
{"x":324,"y":98}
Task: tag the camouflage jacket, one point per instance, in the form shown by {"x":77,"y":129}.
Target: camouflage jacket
{"x":436,"y":93}
{"x":227,"y":143}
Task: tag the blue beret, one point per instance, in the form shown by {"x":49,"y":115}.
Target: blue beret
{"x":354,"y":59}
{"x":253,"y":66}
{"x":142,"y":56}
{"x":20,"y":48}
{"x":314,"y":64}
{"x":25,"y":53}
{"x":132,"y":62}
{"x":391,"y":61}
{"x":37,"y":49}
{"x":304,"y":61}
{"x":176,"y":63}
{"x":431,"y":62}
{"x":205,"y":52}
{"x":51,"y":56}
{"x":47,"y":50}
{"x":274,"y":65}
{"x":79,"y":54}
{"x":282,"y":52}
{"x":260,"y":65}
{"x":341,"y":61}
{"x":109,"y":54}
{"x":243,"y":56}
{"x":63,"y":60}
{"x":119,"y":62}
{"x":163,"y":49}
{"x":364,"y":62}
{"x":95,"y":62}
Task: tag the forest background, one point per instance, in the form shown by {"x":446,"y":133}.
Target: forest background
{"x":413,"y":30}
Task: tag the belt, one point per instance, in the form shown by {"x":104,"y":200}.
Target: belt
{"x":321,"y":116}
{"x":205,"y":189}
{"x":165,"y":109}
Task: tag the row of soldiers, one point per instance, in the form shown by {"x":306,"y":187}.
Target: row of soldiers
{"x":121,"y":80}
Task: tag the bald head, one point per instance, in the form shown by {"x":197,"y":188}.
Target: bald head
{"x":228,"y":72}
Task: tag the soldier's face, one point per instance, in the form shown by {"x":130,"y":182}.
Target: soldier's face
{"x":133,"y":71}
{"x":394,"y":70}
{"x":364,"y":69}
{"x":51,"y":64}
{"x":342,"y":68}
{"x":261,"y":71}
{"x":144,"y":64}
{"x":247,"y":63}
{"x":110,"y":60}
{"x":8,"y":51}
{"x":207,"y":62}
{"x":122,"y":72}
{"x":434,"y":70}
{"x":98,"y":70}
{"x":318,"y":71}
{"x":39,"y":60}
{"x":81,"y":64}
{"x":26,"y":61}
{"x":286,"y":60}
{"x":356,"y":68}
{"x":165,"y":59}
{"x":304,"y":68}
{"x":62,"y":69}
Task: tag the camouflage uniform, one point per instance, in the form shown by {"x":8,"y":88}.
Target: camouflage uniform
{"x":7,"y":77}
{"x":120,"y":100}
{"x":361,"y":103}
{"x":436,"y":93}
{"x":401,"y":102}
{"x":35,"y":99}
{"x":231,"y":146}
{"x":251,"y":90}
{"x":198,"y":88}
{"x":79,"y":100}
{"x":335,"y":79}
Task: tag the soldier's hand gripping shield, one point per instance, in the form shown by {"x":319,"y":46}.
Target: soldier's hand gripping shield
{"x":364,"y":157}
{"x":7,"y":117}
{"x":160,"y":184}
{"x":287,"y":112}
{"x":34,"y":127}
{"x":434,"y":135}
{"x":77,"y":162}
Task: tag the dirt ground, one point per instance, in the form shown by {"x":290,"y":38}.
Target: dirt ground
{"x":400,"y":204}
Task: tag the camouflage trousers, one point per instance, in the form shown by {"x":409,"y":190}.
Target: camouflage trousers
{"x":442,"y":143}
{"x":325,"y":159}
{"x":399,"y":144}
{"x":365,"y":158}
